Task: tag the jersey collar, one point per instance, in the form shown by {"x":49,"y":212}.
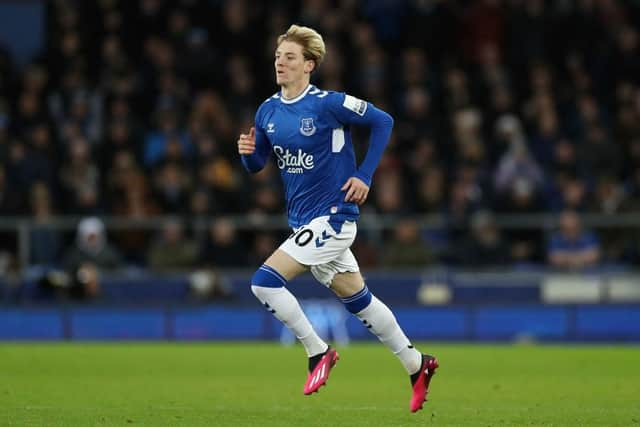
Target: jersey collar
{"x":297,"y":98}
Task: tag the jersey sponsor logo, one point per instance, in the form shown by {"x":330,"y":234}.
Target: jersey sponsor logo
{"x":307,"y":127}
{"x":271,"y":128}
{"x":296,"y":162}
{"x":354,"y":104}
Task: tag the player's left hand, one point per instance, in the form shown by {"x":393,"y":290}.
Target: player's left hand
{"x":357,"y":191}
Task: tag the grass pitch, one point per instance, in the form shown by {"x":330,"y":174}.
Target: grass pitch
{"x":231,"y":384}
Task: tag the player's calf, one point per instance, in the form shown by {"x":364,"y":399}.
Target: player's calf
{"x":379,"y":319}
{"x":269,"y":287}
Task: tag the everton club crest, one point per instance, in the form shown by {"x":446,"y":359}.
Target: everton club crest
{"x":307,"y":127}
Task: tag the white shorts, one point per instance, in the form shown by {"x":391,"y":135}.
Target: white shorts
{"x":326,"y":252}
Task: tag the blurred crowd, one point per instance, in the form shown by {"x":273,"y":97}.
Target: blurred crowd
{"x":501,"y":106}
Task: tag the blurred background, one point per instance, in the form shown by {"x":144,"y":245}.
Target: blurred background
{"x":507,"y":205}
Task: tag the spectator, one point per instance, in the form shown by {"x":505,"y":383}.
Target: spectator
{"x":610,"y":198}
{"x":545,"y":138}
{"x":571,"y":247}
{"x":80,"y":179}
{"x":223,"y":248}
{"x":199,"y":210}
{"x":516,"y":162}
{"x":45,"y":241}
{"x":601,"y":155}
{"x":431,"y":192}
{"x":525,"y":243}
{"x":130,"y":197}
{"x":158,"y":142}
{"x":119,"y":138}
{"x":223,"y":183}
{"x":172,"y":251}
{"x":485,"y":246}
{"x":406,"y":248}
{"x":172,"y":186}
{"x":388,"y":195}
{"x":89,"y":257}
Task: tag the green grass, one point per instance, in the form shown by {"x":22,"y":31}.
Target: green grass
{"x":227,"y":384}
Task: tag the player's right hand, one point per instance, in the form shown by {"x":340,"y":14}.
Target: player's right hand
{"x":247,"y":143}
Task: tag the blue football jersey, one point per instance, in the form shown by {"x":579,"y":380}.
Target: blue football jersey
{"x":310,"y":139}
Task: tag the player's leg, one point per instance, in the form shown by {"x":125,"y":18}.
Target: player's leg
{"x":269,"y":286}
{"x":347,"y":283}
{"x":375,"y":316}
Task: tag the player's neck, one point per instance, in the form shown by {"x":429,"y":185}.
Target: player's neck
{"x":294,"y":90}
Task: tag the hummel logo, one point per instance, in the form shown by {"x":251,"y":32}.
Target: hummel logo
{"x":270,"y":128}
{"x":268,"y":307}
{"x":325,"y":236}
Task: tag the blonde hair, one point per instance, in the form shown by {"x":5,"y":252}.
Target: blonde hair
{"x":311,"y":41}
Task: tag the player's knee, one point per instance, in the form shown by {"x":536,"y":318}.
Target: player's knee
{"x":267,"y":277}
{"x":359,"y":301}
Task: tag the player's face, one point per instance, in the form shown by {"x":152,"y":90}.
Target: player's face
{"x":291,"y":67}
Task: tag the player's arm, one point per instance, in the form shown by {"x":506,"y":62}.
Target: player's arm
{"x":254,"y":150}
{"x":350,"y":110}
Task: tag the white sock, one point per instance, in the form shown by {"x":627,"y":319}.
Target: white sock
{"x":286,"y":309}
{"x":381,"y":322}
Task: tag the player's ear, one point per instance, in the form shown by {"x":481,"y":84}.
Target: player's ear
{"x":309,"y":65}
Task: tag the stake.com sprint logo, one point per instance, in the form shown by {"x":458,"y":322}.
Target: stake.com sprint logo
{"x":293,"y":162}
